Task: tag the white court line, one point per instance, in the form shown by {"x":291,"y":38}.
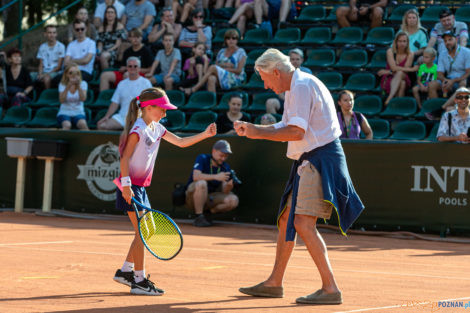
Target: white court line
{"x":420,"y":304}
{"x":33,"y":243}
{"x":260,"y":264}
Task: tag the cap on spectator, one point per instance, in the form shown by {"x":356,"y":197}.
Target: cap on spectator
{"x":445,"y":13}
{"x":462,"y":90}
{"x":222,"y":146}
{"x":448,"y":33}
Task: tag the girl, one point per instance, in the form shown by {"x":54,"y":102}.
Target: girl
{"x":110,"y":38}
{"x":138,"y":147}
{"x":72,"y":93}
{"x":196,"y":66}
{"x":351,"y":122}
{"x":225,"y":120}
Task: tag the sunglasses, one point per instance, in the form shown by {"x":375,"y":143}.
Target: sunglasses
{"x":462,"y":97}
{"x":132,"y":66}
{"x":199,"y":16}
{"x":80,"y":29}
{"x":233,"y":38}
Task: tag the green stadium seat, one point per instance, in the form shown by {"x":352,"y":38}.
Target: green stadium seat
{"x":90,"y":97}
{"x":380,"y":36}
{"x":253,"y":55}
{"x":199,"y":121}
{"x":401,"y":106}
{"x":368,"y":104}
{"x":433,"y":133}
{"x":463,"y":14}
{"x":259,"y":101}
{"x":176,"y":120}
{"x":348,"y":35}
{"x":177,"y":97}
{"x":362,"y":81}
{"x":311,"y":14}
{"x":103,"y":100}
{"x":255,"y":82}
{"x":380,"y":128}
{"x":354,"y":58}
{"x":201,"y":100}
{"x":49,"y":97}
{"x":88,"y":114}
{"x":257,"y":36}
{"x":286,"y":36}
{"x":430,"y":105}
{"x":99,"y":115}
{"x":223,"y":104}
{"x":378,"y":60}
{"x":397,"y":14}
{"x":227,"y":12}
{"x":332,"y":80}
{"x":431,"y":14}
{"x":320,"y":58}
{"x":45,"y":117}
{"x":409,"y":130}
{"x":317,"y":36}
{"x":16,"y":116}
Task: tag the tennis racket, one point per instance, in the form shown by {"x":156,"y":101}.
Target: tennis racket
{"x":159,"y":233}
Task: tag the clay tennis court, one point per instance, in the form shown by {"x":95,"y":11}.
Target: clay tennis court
{"x":56,"y":264}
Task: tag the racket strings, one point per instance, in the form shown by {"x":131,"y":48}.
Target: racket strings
{"x":160,"y":235}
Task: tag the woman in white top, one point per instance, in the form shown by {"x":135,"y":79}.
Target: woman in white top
{"x":72,"y":93}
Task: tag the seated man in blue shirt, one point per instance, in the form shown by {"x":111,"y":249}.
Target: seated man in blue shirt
{"x":210,"y":184}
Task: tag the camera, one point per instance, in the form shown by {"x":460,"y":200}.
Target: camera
{"x":233,"y":176}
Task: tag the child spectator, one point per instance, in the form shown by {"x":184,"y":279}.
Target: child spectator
{"x":51,"y":56}
{"x":72,"y":93}
{"x":169,"y":60}
{"x":427,"y":72}
{"x":196,"y":66}
{"x":225,"y":120}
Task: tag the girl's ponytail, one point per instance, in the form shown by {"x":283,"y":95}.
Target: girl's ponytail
{"x":133,"y":113}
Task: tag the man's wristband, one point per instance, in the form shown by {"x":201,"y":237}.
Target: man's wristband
{"x":126,"y":181}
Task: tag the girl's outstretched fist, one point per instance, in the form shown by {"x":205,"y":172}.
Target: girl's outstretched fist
{"x":211,"y":130}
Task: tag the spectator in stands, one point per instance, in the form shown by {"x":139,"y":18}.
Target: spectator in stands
{"x":18,"y":81}
{"x":110,"y":37}
{"x":186,"y":10}
{"x":225,"y":120}
{"x":126,"y":90}
{"x":281,"y":10}
{"x":454,"y":125}
{"x":169,"y":60}
{"x":167,"y":25}
{"x":82,"y":16}
{"x":411,"y":25}
{"x":372,"y":10}
{"x":394,"y":78}
{"x":81,"y":51}
{"x":101,"y":11}
{"x":453,"y":67}
{"x":210,"y":185}
{"x":448,"y":24}
{"x":351,"y":122}
{"x":246,"y":10}
{"x":138,"y":50}
{"x":297,"y":58}
{"x":51,"y":57}
{"x":267,"y":119}
{"x":72,"y":93}
{"x":139,"y":14}
{"x":196,"y":32}
{"x":229,"y":70}
{"x":223,"y":4}
{"x":427,"y":73}
{"x":196,"y":66}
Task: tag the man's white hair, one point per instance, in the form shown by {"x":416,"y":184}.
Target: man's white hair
{"x":129,"y":59}
{"x":271,"y":59}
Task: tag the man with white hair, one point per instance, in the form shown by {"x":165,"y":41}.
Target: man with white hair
{"x":126,"y":90}
{"x":310,"y":126}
